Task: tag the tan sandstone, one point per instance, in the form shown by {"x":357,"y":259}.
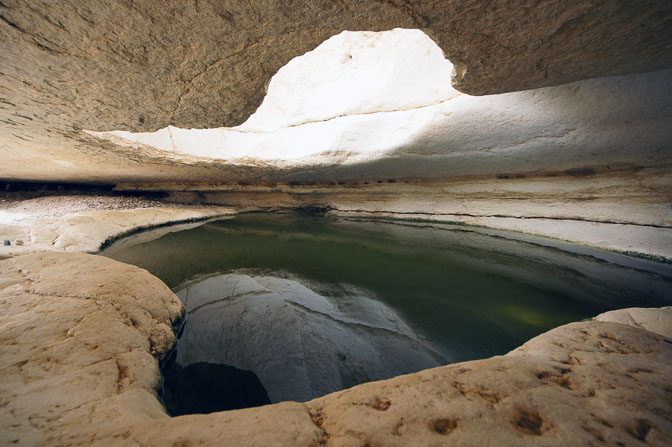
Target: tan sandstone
{"x":81,"y":336}
{"x":654,"y":320}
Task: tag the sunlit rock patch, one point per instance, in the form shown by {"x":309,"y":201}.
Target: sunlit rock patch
{"x":379,"y":103}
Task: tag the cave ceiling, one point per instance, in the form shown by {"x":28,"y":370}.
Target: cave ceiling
{"x":141,"y":65}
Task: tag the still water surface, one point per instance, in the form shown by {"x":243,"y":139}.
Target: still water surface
{"x":290,"y":307}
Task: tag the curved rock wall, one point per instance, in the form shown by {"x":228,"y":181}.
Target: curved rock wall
{"x":376,"y":105}
{"x":588,"y":162}
{"x":138,"y":65}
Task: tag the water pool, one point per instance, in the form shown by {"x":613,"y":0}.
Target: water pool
{"x":291,"y":307}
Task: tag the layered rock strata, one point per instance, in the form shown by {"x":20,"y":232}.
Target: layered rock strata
{"x":364,"y":125}
{"x":622,"y":209}
{"x":79,"y":367}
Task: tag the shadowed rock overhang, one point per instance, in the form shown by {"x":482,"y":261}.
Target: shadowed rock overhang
{"x":142,"y":65}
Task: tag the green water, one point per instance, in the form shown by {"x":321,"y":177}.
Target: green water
{"x":469,"y":294}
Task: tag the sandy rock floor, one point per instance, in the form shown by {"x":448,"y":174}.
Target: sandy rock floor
{"x":83,"y":222}
{"x":61,"y":205}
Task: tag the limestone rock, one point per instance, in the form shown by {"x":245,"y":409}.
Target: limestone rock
{"x":83,"y":320}
{"x":566,"y":161}
{"x":85,"y":230}
{"x":204,"y":64}
{"x":141,"y":66}
{"x":376,"y":104}
{"x":654,"y":320}
{"x":528,"y":397}
{"x":77,"y":369}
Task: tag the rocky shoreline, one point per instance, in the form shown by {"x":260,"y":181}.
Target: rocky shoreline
{"x":83,"y":223}
{"x":82,"y":336}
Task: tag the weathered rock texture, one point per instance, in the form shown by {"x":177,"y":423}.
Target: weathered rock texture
{"x":83,"y":224}
{"x":68,"y":66}
{"x":588,"y":162}
{"x":77,"y":369}
{"x":376,"y":104}
{"x":654,"y":320}
{"x":84,"y":320}
{"x":143,"y":65}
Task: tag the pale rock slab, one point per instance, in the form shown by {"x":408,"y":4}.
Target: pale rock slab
{"x":87,"y":231}
{"x":658,"y":321}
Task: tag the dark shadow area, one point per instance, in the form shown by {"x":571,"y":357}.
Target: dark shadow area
{"x":23,"y":190}
{"x":202,"y":388}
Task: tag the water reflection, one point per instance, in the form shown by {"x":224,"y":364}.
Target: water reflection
{"x":299,"y":343}
{"x":312,"y":305}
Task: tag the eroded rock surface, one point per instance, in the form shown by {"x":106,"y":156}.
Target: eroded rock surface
{"x":79,"y":333}
{"x":135,"y":66}
{"x":654,"y":320}
{"x":142,"y":65}
{"x":363,"y":105}
{"x":83,"y":224}
{"x":80,"y":338}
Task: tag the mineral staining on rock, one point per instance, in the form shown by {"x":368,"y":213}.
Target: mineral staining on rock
{"x":300,"y":344}
{"x":82,"y":334}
